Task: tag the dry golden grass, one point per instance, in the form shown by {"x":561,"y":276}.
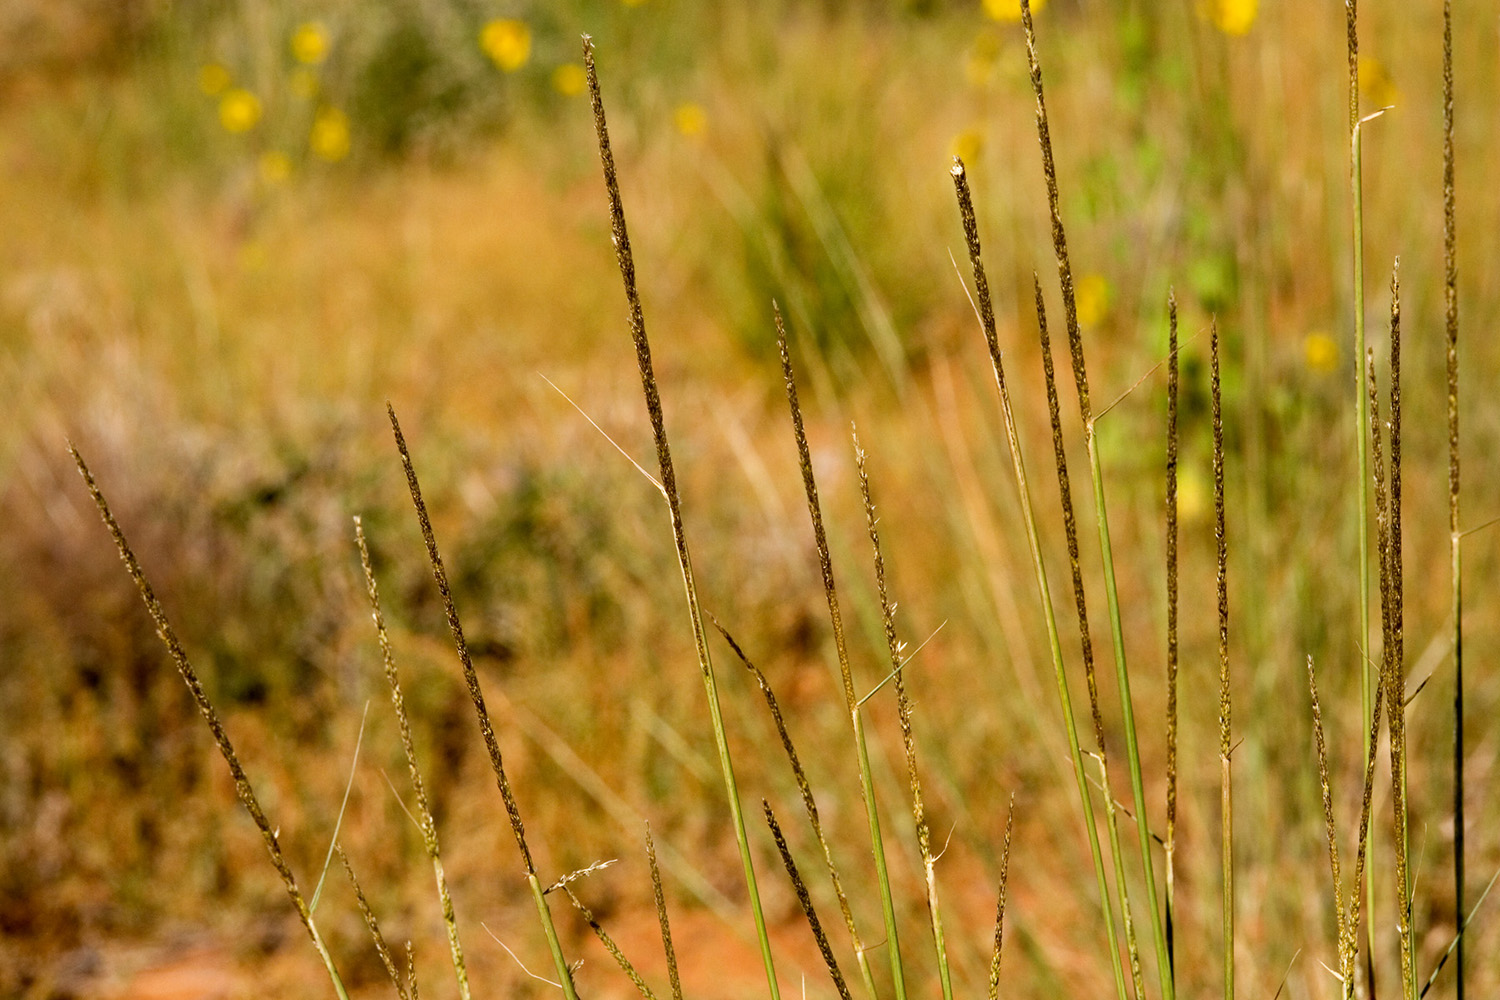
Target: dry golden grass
{"x":221,"y":353}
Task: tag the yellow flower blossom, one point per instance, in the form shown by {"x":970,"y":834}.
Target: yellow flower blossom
{"x":1092,"y":296}
{"x":507,"y":42}
{"x":1192,"y":494}
{"x":1375,"y":83}
{"x":569,"y":79}
{"x":310,"y":43}
{"x":213,"y":79}
{"x":967,"y":145}
{"x":329,"y":139}
{"x":980,"y":60}
{"x":1320,"y":352}
{"x":1009,"y":11}
{"x":239,"y":110}
{"x":690,"y":118}
{"x":305,"y":83}
{"x":1233,"y":17}
{"x":274,"y":167}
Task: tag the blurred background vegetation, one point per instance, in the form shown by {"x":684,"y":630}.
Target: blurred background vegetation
{"x":231,"y":230}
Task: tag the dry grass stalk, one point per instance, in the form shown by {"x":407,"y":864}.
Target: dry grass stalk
{"x":411,"y":972}
{"x":381,"y":948}
{"x":424,"y":811}
{"x":805,"y":900}
{"x":1039,"y":568}
{"x":189,"y":674}
{"x":1226,"y":787}
{"x":1340,"y":916}
{"x":1080,"y":377}
{"x":1171,"y":503}
{"x":1010,"y":822}
{"x":1450,"y":297}
{"x":809,"y":802}
{"x":1364,"y":974}
{"x":661,"y":918}
{"x":609,"y":944}
{"x":626,"y":261}
{"x":481,"y":711}
{"x":903,"y":709}
{"x":1090,"y":674}
{"x":856,"y":718}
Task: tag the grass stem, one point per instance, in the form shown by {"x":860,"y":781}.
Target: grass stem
{"x":652,"y":394}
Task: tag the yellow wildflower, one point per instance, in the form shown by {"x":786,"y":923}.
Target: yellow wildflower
{"x":569,"y":79}
{"x":1233,"y":17}
{"x":1320,"y":352}
{"x":1091,"y":295}
{"x":690,"y":118}
{"x":967,"y":145}
{"x":305,"y":83}
{"x":1192,"y":494}
{"x":213,"y":79}
{"x":1376,"y":84}
{"x":507,"y":42}
{"x":239,"y":110}
{"x":274,"y":166}
{"x":310,"y":43}
{"x":1010,"y":10}
{"x":329,"y":139}
{"x":980,"y":60}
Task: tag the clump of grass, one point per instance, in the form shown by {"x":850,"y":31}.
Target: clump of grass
{"x":674,"y":503}
{"x":242,"y":787}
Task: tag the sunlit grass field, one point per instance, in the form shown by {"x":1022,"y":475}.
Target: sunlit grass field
{"x":228,"y":238}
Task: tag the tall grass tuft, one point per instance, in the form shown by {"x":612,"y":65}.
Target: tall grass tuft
{"x":986,"y":311}
{"x":242,"y":787}
{"x":481,"y":711}
{"x":1450,"y":297}
{"x":846,"y":675}
{"x":1080,"y":376}
{"x":626,"y":261}
{"x":425,"y":821}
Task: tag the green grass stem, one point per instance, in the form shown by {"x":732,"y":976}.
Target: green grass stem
{"x":856,"y":717}
{"x":674,"y":506}
{"x":1112,"y":597}
{"x":481,"y":710}
{"x":1028,"y":517}
{"x":908,"y":738}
